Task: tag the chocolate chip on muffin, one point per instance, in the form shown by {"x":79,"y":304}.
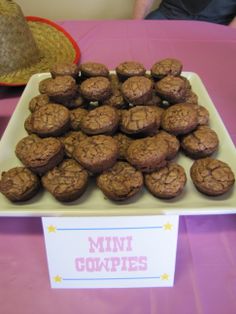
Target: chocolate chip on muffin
{"x":101,"y":120}
{"x":96,"y":88}
{"x":123,"y":142}
{"x":167,"y":182}
{"x":61,"y":89}
{"x":19,"y":184}
{"x":92,"y":69}
{"x":38,"y":101}
{"x":66,"y":182}
{"x":147,"y":154}
{"x":179,"y":119}
{"x":50,"y":120}
{"x":97,"y":153}
{"x":168,"y":66}
{"x":140,"y":120}
{"x":120,"y":182}
{"x":202,"y":142}
{"x":211,"y":176}
{"x":172,"y":142}
{"x":137,"y":90}
{"x":171,"y":88}
{"x":130,"y":68}
{"x":39,"y":155}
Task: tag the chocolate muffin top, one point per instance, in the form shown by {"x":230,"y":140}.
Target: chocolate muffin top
{"x":120,"y":182}
{"x":137,"y":90}
{"x":211,"y":176}
{"x":123,"y":142}
{"x":168,"y":66}
{"x":147,"y":154}
{"x":172,"y":89}
{"x":19,"y":184}
{"x":97,"y":153}
{"x":91,"y":69}
{"x":65,"y":68}
{"x":202,"y":142}
{"x":38,"y":101}
{"x":202,"y":114}
{"x":101,"y":120}
{"x":167,"y":182}
{"x":50,"y":120}
{"x":130,"y":68}
{"x":39,"y":154}
{"x":76,"y":116}
{"x":179,"y":119}
{"x":66,"y":182}
{"x":172,"y":142}
{"x":96,"y":88}
{"x":70,"y":140}
{"x":140,"y":120}
{"x":60,"y":86}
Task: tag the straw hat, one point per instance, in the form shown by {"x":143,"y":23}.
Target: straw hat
{"x":30,"y":45}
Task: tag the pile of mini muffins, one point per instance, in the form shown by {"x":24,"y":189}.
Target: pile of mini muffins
{"x":125,"y":129}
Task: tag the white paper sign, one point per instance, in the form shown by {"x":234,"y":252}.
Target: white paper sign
{"x":111,"y":252}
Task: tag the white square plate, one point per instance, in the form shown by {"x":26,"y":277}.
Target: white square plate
{"x":93,"y":203}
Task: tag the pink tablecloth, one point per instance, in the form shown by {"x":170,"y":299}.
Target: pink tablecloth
{"x":205,"y":281}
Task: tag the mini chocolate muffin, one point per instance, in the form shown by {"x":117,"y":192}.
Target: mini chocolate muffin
{"x":147,"y":154}
{"x":191,"y":97}
{"x":179,"y":119}
{"x":140,"y":120}
{"x":123,"y":142}
{"x":137,"y":90}
{"x":116,"y":100}
{"x":19,"y":184}
{"x":61,"y":89}
{"x":28,"y":125}
{"x":65,"y":68}
{"x":39,"y":155}
{"x":128,"y":69}
{"x":202,"y":114}
{"x":50,"y":120}
{"x":211,"y":176}
{"x":171,"y":88}
{"x":172,"y":142}
{"x":101,"y":120}
{"x":38,"y":101}
{"x":76,"y":102}
{"x":92,"y":69}
{"x":66,"y":182}
{"x":202,"y":142}
{"x":70,"y":140}
{"x":96,"y":88}
{"x":120,"y":182}
{"x":154,"y":100}
{"x":43,"y":85}
{"x":76,"y":116}
{"x":168,"y":66}
{"x":167,"y":182}
{"x":96,"y":153}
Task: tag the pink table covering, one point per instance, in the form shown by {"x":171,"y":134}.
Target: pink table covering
{"x":205,"y":280}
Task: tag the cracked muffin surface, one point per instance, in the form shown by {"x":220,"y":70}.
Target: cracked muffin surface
{"x":212,"y":176}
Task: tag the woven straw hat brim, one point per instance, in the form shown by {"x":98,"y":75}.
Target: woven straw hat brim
{"x":55,"y":46}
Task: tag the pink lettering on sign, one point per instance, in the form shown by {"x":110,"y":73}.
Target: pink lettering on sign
{"x":111,"y":264}
{"x":110,"y":244}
